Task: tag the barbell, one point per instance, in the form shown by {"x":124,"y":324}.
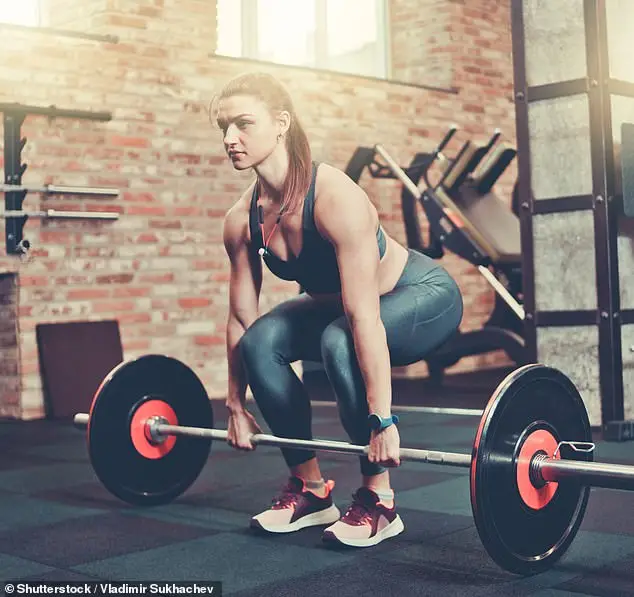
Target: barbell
{"x":57,"y":214}
{"x":51,"y":189}
{"x":150,"y":429}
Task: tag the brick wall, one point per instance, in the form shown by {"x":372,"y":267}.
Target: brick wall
{"x":421,"y":41}
{"x":161,"y":268}
{"x":9,"y":355}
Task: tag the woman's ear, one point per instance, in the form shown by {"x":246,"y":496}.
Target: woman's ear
{"x":283,"y":121}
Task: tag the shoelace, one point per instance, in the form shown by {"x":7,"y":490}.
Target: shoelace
{"x":358,"y":514}
{"x":287,"y":499}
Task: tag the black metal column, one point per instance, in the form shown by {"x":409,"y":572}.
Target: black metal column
{"x":605,"y":212}
{"x":526,"y":201}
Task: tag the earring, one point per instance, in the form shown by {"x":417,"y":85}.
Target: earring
{"x":279,"y":137}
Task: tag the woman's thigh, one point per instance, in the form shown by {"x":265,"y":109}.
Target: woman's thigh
{"x":420,"y":318}
{"x":292,"y":329}
{"x":417,"y":318}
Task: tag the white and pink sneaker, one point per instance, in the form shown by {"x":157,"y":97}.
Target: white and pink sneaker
{"x":297,"y":508}
{"x":367,"y":522}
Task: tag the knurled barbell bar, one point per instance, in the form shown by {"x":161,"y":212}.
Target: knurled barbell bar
{"x":56,"y":214}
{"x":59,"y":214}
{"x":150,"y":429}
{"x":51,"y":189}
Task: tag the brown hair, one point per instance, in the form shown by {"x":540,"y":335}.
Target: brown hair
{"x":272,"y":93}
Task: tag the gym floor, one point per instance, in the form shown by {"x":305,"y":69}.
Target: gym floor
{"x":59,"y":523}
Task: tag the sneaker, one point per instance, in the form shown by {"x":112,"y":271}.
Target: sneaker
{"x":297,"y":508}
{"x":366,"y":522}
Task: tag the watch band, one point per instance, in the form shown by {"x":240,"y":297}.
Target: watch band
{"x":385,"y":422}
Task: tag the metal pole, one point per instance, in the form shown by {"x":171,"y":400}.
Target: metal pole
{"x":594,"y":474}
{"x":446,"y":458}
{"x":430,"y":410}
{"x":430,"y":457}
{"x":60,"y":190}
{"x":508,"y":298}
{"x":61,"y":214}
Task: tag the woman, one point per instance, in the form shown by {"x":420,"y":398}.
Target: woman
{"x":369,"y":304}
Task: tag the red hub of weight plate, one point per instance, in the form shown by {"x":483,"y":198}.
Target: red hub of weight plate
{"x":539,"y":441}
{"x":140,"y":431}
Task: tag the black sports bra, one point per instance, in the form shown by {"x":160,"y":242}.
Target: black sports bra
{"x":315,"y":268}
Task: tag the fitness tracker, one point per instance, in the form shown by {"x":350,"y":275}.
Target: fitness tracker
{"x":378,"y":423}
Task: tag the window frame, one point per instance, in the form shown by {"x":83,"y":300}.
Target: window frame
{"x":249,"y":38}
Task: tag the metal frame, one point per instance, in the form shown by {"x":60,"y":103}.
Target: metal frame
{"x":605,"y":217}
{"x":559,"y":204}
{"x":250,"y":43}
{"x":597,"y":86}
{"x":14,"y":192}
{"x":526,"y":201}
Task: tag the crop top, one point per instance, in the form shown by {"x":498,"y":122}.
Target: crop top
{"x":315,"y":268}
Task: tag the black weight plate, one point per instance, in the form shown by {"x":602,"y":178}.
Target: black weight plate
{"x":521,"y":539}
{"x":119,"y":466}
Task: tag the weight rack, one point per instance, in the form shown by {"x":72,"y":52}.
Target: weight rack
{"x":14,"y":115}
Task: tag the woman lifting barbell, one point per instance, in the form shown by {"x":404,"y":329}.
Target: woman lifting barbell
{"x":369,"y":304}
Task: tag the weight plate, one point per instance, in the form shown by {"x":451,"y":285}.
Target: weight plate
{"x":522,"y":539}
{"x":123,"y":469}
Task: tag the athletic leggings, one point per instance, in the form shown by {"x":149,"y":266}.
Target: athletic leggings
{"x":420,"y":313}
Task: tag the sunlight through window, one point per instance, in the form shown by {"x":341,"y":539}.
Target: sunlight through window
{"x":341,"y":35}
{"x":20,"y":12}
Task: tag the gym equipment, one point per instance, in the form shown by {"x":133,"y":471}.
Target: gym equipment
{"x":149,"y":434}
{"x":15,"y":192}
{"x":466,"y":218}
{"x":59,"y":190}
{"x":54,"y":214}
{"x":626,"y":166}
{"x":452,"y":214}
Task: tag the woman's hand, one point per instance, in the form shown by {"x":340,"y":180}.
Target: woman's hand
{"x":240,"y":426}
{"x":385,"y":446}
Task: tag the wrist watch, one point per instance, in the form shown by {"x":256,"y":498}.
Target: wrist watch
{"x":378,"y":423}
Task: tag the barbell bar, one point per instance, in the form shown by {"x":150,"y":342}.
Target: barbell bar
{"x":56,"y":214}
{"x":51,"y":189}
{"x":426,"y":410}
{"x":595,"y":474}
{"x":150,"y":430}
{"x":159,"y":431}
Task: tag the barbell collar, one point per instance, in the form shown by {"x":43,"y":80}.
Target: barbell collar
{"x":592,"y":474}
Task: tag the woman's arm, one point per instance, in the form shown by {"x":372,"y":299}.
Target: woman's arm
{"x":244,"y":290}
{"x":345,"y":216}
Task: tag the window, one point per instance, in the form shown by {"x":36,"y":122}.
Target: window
{"x":340,"y":35}
{"x":20,"y":12}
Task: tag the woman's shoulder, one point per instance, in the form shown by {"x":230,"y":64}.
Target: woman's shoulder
{"x":331,"y":179}
{"x":237,"y":217}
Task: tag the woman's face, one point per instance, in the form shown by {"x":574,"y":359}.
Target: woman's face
{"x":249,"y":131}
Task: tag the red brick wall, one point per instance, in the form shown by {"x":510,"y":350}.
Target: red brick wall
{"x":9,"y":355}
{"x":161,"y":268}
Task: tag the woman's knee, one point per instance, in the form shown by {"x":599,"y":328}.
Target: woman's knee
{"x":336,"y":348}
{"x":260,"y":342}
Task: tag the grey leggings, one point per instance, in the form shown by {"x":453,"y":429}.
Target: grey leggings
{"x":420,"y":313}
